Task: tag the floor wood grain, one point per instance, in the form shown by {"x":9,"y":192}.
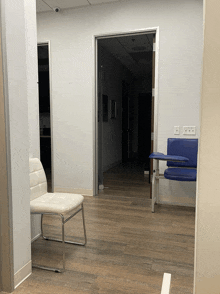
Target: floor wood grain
{"x":129,"y":248}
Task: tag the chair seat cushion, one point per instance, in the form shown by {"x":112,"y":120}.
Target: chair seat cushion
{"x":60,"y":203}
{"x":180,"y":174}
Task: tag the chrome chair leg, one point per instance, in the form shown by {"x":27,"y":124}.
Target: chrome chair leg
{"x":62,"y":239}
{"x":153,"y":193}
{"x":157,"y":181}
{"x":58,"y":270}
{"x":71,"y":242}
{"x":42,"y":225}
{"x":155,"y":187}
{"x":84,"y":226}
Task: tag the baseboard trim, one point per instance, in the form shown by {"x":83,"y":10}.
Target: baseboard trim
{"x":177,"y":203}
{"x":86,"y":192}
{"x":22,"y":274}
{"x":35,"y":238}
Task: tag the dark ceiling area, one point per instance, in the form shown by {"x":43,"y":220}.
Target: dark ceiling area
{"x":133,"y":51}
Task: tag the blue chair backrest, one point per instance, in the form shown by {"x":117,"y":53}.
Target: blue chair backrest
{"x":183,"y":147}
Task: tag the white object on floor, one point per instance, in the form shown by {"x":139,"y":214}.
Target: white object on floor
{"x":101,"y":187}
{"x":166,"y":283}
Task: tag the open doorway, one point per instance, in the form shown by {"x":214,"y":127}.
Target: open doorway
{"x":44,"y":110}
{"x":125,"y":74}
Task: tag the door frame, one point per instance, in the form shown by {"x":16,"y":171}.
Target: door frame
{"x":48,"y":43}
{"x":149,"y":30}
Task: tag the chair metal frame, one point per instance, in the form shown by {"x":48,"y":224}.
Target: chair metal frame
{"x":63,"y":237}
{"x":156,"y":175}
{"x":155,"y":186}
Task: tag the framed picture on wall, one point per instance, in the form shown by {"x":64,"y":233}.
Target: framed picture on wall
{"x":113,"y":109}
{"x":105,"y":107}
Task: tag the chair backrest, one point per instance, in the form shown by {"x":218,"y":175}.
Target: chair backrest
{"x":183,"y":147}
{"x":38,"y":181}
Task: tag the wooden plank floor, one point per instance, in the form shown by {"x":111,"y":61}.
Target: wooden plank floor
{"x":129,"y":248}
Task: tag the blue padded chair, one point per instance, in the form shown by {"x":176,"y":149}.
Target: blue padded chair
{"x":181,"y":161}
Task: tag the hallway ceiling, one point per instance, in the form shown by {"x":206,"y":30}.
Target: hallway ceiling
{"x":48,"y":5}
{"x":134,"y":52}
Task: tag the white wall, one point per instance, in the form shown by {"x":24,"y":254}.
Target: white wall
{"x":32,"y":92}
{"x":207,"y":246}
{"x":16,"y":76}
{"x":72,"y":55}
{"x":20,"y":60}
{"x":6,"y":226}
{"x":32,"y":78}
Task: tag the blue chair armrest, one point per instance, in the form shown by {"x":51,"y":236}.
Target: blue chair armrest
{"x":161,"y":156}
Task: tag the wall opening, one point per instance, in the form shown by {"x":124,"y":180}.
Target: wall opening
{"x":44,"y":109}
{"x":124,"y":73}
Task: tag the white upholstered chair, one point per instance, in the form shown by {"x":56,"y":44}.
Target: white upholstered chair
{"x":61,"y":204}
